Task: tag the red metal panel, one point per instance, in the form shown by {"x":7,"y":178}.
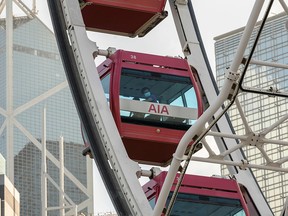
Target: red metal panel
{"x":204,"y":182}
{"x":165,"y":61}
{"x":146,"y":145}
{"x":121,"y":16}
{"x":194,"y":184}
{"x":141,"y":5}
{"x":151,"y":190}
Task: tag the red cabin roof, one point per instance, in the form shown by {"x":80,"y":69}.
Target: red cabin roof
{"x":123,"y":17}
{"x":150,"y":130}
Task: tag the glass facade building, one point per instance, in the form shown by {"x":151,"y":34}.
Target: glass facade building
{"x":39,"y":81}
{"x":261,"y":110}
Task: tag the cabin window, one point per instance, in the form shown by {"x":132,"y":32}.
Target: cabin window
{"x":192,"y":204}
{"x":106,"y":86}
{"x":173,"y":102}
{"x":152,"y":202}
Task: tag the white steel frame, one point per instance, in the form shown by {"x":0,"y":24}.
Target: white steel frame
{"x":211,"y":123}
{"x":125,"y":169}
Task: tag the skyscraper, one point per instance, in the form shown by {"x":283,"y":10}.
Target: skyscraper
{"x":31,"y":78}
{"x":9,"y":197}
{"x":261,"y":110}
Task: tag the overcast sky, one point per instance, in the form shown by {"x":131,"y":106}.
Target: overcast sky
{"x":215,"y":17}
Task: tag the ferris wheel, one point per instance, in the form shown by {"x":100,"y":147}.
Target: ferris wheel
{"x":138,"y":108}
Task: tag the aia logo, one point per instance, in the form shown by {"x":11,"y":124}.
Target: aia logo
{"x":158,"y":109}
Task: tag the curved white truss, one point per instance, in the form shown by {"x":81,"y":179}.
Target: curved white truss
{"x":125,"y":171}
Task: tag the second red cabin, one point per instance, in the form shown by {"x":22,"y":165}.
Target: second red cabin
{"x":202,"y":195}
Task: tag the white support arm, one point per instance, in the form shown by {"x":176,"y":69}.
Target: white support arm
{"x":195,"y":55}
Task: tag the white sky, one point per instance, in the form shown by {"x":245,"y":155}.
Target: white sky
{"x":215,"y":17}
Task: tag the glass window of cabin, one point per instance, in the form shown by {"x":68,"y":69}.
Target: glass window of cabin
{"x":193,"y":204}
{"x":106,"y":86}
{"x":174,"y":91}
{"x":152,"y":202}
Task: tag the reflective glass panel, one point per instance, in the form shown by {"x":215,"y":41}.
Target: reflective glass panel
{"x":191,"y":204}
{"x":173,"y":97}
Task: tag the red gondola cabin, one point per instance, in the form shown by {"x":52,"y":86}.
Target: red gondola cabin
{"x":150,"y":126}
{"x":201,"y":195}
{"x":122,"y":17}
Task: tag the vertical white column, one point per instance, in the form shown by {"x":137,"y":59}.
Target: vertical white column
{"x":61,"y":176}
{"x":2,"y":5}
{"x":76,"y":210}
{"x":44,"y":168}
{"x":9,"y":90}
{"x":34,"y":7}
{"x":90,"y":188}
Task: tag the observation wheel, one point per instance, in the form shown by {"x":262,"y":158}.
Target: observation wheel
{"x":107,"y":111}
